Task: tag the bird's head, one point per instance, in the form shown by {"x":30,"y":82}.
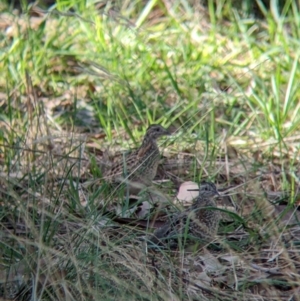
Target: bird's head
{"x":155,"y":131}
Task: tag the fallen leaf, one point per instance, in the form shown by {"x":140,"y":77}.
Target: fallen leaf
{"x":186,"y":196}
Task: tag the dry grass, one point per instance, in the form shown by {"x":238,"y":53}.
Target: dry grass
{"x":59,"y":243}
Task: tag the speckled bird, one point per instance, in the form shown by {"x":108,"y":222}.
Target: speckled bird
{"x":140,"y":166}
{"x":199,"y":222}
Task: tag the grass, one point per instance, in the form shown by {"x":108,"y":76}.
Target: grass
{"x":79,"y":82}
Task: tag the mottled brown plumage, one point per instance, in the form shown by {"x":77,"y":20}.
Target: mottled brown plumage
{"x":196,"y":223}
{"x":140,"y":166}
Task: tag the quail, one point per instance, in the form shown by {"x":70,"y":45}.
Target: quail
{"x":199,"y":222}
{"x":139,"y":168}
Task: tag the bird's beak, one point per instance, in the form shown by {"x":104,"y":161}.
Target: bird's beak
{"x":167,"y":132}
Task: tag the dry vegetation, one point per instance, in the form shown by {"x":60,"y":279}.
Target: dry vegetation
{"x":63,"y":237}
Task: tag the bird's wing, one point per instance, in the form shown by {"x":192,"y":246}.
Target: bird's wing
{"x":128,"y":163}
{"x":143,"y":150}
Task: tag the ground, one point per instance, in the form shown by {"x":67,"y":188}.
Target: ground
{"x":81,"y":82}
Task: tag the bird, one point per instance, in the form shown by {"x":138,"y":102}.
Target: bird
{"x":199,"y":222}
{"x":139,"y":168}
